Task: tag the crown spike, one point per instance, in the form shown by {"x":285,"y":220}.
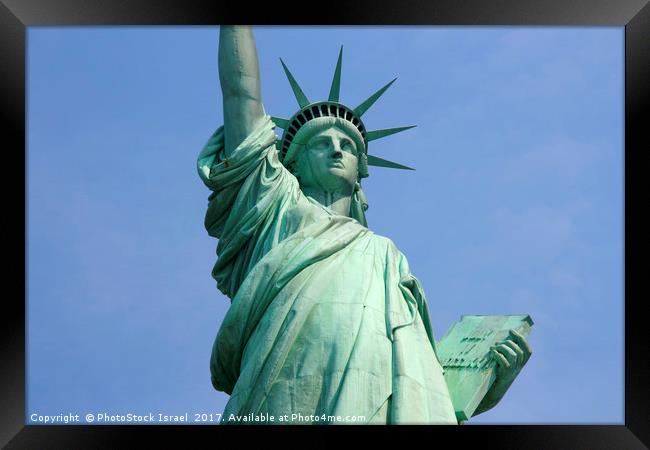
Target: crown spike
{"x":297,"y":91}
{"x":378,"y":134}
{"x":335,"y":90}
{"x":365,"y":106}
{"x":280,"y":122}
{"x":379,"y":162}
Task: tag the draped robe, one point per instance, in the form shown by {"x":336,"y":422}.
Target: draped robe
{"x":325,"y":318}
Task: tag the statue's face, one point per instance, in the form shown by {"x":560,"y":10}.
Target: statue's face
{"x":329,"y":162}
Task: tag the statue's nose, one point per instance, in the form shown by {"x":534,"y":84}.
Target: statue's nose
{"x":337,"y":153}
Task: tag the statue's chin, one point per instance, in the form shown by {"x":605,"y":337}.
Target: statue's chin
{"x":330,"y":179}
{"x":339,"y":172}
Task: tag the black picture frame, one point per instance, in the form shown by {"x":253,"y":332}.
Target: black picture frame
{"x":17,"y":15}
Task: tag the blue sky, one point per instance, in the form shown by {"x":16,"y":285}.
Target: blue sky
{"x":516,"y":205}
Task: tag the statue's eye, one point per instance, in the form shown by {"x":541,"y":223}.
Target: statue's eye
{"x":320,"y":144}
{"x":348,"y":147}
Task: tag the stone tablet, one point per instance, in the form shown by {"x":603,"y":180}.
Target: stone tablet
{"x":464,"y":353}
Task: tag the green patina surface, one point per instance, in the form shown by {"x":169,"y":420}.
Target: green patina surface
{"x":326,"y":319}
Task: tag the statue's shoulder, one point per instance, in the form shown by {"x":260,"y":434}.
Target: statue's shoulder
{"x":385,"y":242}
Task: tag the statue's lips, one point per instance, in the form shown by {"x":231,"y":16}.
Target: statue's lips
{"x":337,"y":164}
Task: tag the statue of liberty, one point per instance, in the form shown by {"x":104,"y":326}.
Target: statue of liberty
{"x":326,"y":319}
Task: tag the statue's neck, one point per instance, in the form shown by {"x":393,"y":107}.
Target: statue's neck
{"x":336,"y":201}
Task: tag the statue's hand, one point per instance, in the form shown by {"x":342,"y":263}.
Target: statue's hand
{"x":511,"y":355}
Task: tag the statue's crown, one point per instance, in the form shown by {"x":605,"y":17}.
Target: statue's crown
{"x":334,"y":109}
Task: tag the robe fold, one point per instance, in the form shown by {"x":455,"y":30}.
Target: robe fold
{"x":326,"y":319}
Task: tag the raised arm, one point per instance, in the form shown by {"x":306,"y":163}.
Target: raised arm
{"x":239,"y":75}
